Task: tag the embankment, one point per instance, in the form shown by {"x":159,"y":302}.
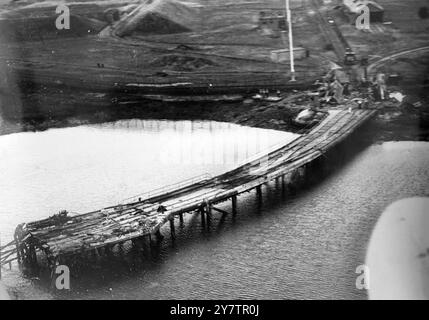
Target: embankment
{"x":63,"y":108}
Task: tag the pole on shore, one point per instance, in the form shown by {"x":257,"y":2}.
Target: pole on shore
{"x":291,"y":53}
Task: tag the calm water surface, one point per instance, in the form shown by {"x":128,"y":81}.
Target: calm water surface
{"x":303,"y":246}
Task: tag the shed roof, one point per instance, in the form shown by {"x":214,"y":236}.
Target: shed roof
{"x":356,"y":6}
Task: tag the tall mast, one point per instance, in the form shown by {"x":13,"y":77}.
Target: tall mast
{"x":289,"y":21}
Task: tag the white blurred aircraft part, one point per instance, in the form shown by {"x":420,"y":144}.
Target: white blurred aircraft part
{"x":398,"y":252}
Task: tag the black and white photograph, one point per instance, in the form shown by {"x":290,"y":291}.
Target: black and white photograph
{"x":214,"y":154}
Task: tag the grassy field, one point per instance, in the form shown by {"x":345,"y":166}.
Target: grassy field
{"x":49,"y":74}
{"x":223,"y":34}
{"x":220,"y":47}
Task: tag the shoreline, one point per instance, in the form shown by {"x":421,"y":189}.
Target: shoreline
{"x":394,"y":121}
{"x":68,"y":108}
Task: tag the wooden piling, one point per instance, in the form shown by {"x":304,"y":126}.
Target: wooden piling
{"x":108,"y":250}
{"x":259,"y":193}
{"x":172,"y":229}
{"x":159,"y":235}
{"x":18,"y":249}
{"x":134,"y":242}
{"x":33,"y":256}
{"x":181,"y":218}
{"x":209,"y":213}
{"x":283,"y":185}
{"x":234,"y":205}
{"x":203,"y":219}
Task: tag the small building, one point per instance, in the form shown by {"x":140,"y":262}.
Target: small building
{"x":353,"y":8}
{"x":376,"y":13}
{"x":283,"y":55}
{"x":273,"y":21}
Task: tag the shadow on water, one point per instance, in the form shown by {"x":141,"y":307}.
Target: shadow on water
{"x":132,"y":260}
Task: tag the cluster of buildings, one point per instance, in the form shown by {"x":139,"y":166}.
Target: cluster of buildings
{"x":274,"y":23}
{"x":354,"y":8}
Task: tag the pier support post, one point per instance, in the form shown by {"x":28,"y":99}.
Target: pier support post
{"x":203,"y":219}
{"x":172,"y":229}
{"x":181,"y":218}
{"x":17,"y":238}
{"x":158,"y":235}
{"x":34,"y":262}
{"x":209,"y":213}
{"x":259,"y":193}
{"x":30,"y":257}
{"x":283,"y":184}
{"x":108,"y":250}
{"x":234,"y":205}
{"x":53,"y":263}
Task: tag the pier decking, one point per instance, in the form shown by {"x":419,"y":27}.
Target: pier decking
{"x":62,"y":236}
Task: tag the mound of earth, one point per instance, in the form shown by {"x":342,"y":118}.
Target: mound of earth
{"x":182,"y":63}
{"x":158,"y":17}
{"x":36,"y":21}
{"x":155,"y":23}
{"x":41,"y":28}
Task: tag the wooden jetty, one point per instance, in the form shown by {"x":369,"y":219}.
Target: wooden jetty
{"x":62,"y":236}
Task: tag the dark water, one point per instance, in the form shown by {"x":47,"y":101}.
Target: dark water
{"x":305,"y":245}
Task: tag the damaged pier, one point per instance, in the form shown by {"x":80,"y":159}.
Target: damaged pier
{"x":63,"y":236}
